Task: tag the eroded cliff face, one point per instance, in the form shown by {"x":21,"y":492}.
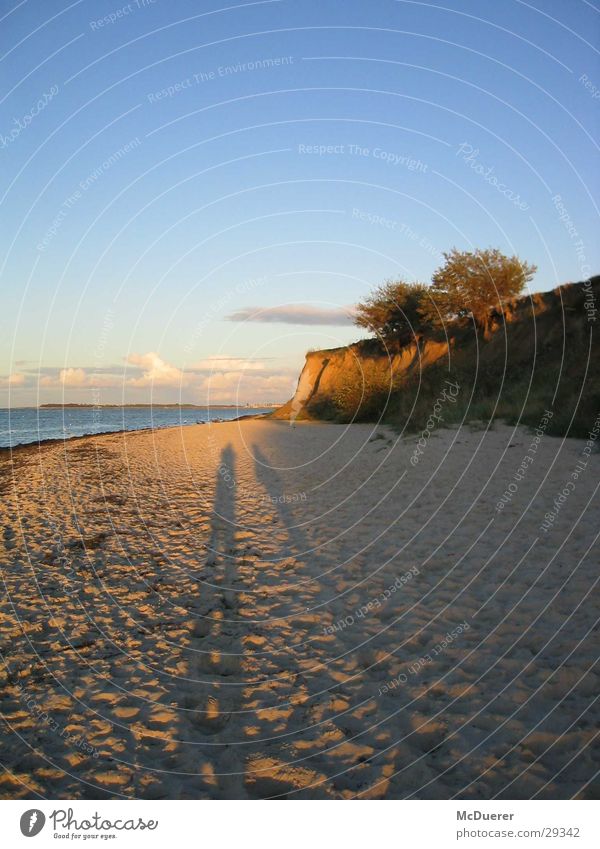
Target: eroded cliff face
{"x":329,"y":375}
{"x":530,"y":333}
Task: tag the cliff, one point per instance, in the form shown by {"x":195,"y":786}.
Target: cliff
{"x":540,"y":353}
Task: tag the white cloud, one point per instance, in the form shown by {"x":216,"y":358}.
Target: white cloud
{"x":218,"y":379}
{"x":295,"y":314}
{"x":156,"y":372}
{"x":73,"y":377}
{"x":222,"y":379}
{"x":79,"y":378}
{"x":13,"y":380}
{"x":217,"y":363}
{"x":245,"y":386}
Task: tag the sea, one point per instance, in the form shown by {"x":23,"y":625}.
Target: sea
{"x":27,"y":425}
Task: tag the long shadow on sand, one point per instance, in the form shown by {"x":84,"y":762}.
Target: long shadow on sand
{"x":186,"y":744}
{"x":283,"y":501}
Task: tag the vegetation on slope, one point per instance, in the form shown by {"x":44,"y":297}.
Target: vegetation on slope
{"x":535,"y":353}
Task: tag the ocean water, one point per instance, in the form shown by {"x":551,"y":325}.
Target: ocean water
{"x":24,"y":425}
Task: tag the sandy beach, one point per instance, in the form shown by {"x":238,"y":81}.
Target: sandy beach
{"x":253,"y":610}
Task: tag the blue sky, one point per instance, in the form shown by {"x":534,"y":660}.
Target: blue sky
{"x":168,"y":169}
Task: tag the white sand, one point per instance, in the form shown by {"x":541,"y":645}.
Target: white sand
{"x":169,"y":603}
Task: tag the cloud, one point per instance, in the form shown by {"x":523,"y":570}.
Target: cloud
{"x":219,"y":379}
{"x":54,"y":372}
{"x":73,"y":377}
{"x":76,"y":378}
{"x":67,"y":377}
{"x":212,"y":364}
{"x":13,"y":380}
{"x":295,"y":314}
{"x":242,"y":386}
{"x":155,"y":371}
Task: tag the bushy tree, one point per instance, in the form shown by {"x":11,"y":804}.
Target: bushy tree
{"x":393,"y":311}
{"x":473,"y":284}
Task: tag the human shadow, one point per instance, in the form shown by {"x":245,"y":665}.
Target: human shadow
{"x":222,"y":535}
{"x":280,"y":498}
{"x":202,"y":720}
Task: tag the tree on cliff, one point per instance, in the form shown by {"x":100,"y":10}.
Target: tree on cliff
{"x":393,"y":311}
{"x":473,"y":284}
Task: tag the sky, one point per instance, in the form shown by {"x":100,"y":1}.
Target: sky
{"x":194,"y":194}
